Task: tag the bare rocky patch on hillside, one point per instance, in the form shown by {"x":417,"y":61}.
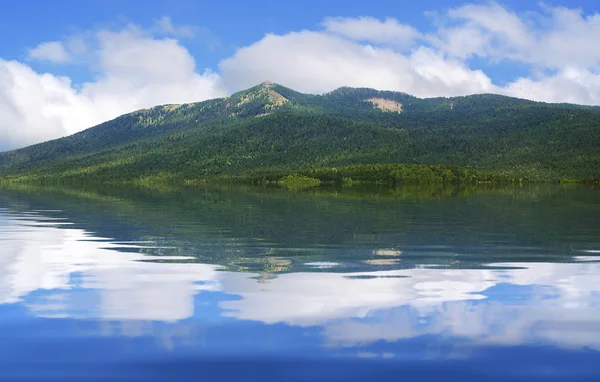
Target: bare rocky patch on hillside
{"x":386,"y":104}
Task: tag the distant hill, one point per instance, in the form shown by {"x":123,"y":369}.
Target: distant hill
{"x":269,"y":131}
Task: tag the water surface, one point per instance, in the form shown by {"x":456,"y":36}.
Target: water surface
{"x":266,"y":284}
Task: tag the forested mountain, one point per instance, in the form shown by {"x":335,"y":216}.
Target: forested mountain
{"x":269,"y":131}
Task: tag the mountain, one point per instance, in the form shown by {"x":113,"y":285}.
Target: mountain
{"x":269,"y":131}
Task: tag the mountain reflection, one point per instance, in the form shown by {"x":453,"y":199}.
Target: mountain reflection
{"x":357,"y":290}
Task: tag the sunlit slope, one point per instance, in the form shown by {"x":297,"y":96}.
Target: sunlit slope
{"x":270,"y":129}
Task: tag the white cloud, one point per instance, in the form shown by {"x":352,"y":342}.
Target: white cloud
{"x":553,"y":38}
{"x":371,"y":29}
{"x":489,"y":25}
{"x":134,"y":71}
{"x":569,"y":85}
{"x":36,"y":107}
{"x":53,"y":51}
{"x":318,"y":62}
{"x":143,"y":71}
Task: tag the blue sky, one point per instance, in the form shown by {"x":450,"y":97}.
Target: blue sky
{"x":71,"y":64}
{"x":226,"y":27}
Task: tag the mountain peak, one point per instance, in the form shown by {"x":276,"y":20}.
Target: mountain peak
{"x":234,"y":136}
{"x":258,"y":100}
{"x":267,"y":84}
{"x":262,"y":88}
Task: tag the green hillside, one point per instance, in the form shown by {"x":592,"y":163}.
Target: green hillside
{"x":269,"y":131}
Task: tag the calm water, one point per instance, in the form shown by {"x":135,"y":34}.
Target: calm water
{"x":269,"y":285}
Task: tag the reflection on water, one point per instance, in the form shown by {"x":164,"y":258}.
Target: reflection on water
{"x":265,"y":273}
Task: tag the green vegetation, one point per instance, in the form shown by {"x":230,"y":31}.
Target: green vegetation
{"x":297,"y":182}
{"x":383,"y":174}
{"x":271,"y":134}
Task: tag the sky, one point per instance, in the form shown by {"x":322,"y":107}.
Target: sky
{"x":67,"y":65}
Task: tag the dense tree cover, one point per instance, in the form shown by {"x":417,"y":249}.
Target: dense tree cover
{"x":270,"y":132}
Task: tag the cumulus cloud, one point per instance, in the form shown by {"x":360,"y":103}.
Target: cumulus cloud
{"x":568,"y":85}
{"x":142,"y":71}
{"x":36,"y":107}
{"x":553,"y":42}
{"x":53,"y":51}
{"x":137,"y":68}
{"x":481,"y":30}
{"x":317,"y":62}
{"x":134,"y":70}
{"x":553,"y":38}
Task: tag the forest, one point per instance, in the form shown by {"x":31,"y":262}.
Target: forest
{"x":272,"y":134}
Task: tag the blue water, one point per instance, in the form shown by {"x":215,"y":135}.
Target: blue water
{"x":330,"y":285}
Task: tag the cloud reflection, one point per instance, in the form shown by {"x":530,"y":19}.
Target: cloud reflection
{"x":45,"y":258}
{"x":518,"y":303}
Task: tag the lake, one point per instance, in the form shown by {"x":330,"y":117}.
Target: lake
{"x":241,"y":283}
